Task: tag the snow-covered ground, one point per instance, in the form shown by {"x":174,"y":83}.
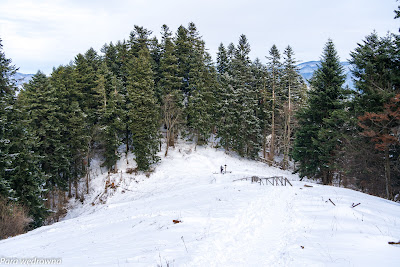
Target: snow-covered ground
{"x":222,"y":222}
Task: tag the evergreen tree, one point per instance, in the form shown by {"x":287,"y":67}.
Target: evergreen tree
{"x":247,"y":133}
{"x":274,"y":68}
{"x":264,"y":97}
{"x":143,"y":110}
{"x":7,"y":99}
{"x":182,"y":51}
{"x":293,"y":92}
{"x":72,"y":122}
{"x":168,"y":92}
{"x":27,"y":180}
{"x":225,"y":99}
{"x":375,"y":67}
{"x":319,"y":133}
{"x":21,"y":179}
{"x":40,"y":103}
{"x":111,"y":125}
{"x":376,"y":72}
{"x":169,"y":72}
{"x":222,"y":59}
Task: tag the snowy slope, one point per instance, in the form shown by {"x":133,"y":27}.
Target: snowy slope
{"x":223,"y":222}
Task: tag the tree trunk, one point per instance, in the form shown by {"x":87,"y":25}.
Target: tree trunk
{"x":287,"y":133}
{"x":271,"y":154}
{"x":69,"y":187}
{"x":387,"y":172}
{"x":167,"y":142}
{"x":76,"y":188}
{"x":127,"y":144}
{"x":264,"y":144}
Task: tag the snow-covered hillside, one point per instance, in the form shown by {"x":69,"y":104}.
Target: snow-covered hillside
{"x":220,"y":221}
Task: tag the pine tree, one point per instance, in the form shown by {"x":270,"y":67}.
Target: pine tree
{"x":169,"y":83}
{"x":376,"y":72}
{"x":274,"y":68}
{"x":40,"y":103}
{"x":222,"y":60}
{"x":264,"y":97}
{"x":143,"y":110}
{"x":72,"y":122}
{"x":225,"y":99}
{"x":21,"y":178}
{"x":375,"y":66}
{"x":293,"y":88}
{"x":7,"y":99}
{"x":182,"y":51}
{"x":382,"y":128}
{"x":169,"y":78}
{"x":247,"y":133}
{"x":318,"y":137}
{"x":111,"y":125}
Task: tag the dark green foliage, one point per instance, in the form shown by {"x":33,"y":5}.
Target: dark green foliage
{"x":21,"y":178}
{"x":143,"y":111}
{"x":240,"y":127}
{"x":169,"y":81}
{"x":377,"y":72}
{"x":320,"y":121}
{"x":111,"y":126}
{"x":39,"y":102}
{"x":73,"y":126}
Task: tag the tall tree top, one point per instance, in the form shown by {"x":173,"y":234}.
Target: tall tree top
{"x":243,"y":48}
{"x":330,"y":74}
{"x":7,"y":84}
{"x":139,"y":38}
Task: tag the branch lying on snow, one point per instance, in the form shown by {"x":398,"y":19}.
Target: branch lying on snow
{"x":355,"y":205}
{"x":394,"y":243}
{"x":332,"y":202}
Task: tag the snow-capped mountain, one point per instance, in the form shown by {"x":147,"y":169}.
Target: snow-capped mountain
{"x":307,"y":69}
{"x":22,"y":78}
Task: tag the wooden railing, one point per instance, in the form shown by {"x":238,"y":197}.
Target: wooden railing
{"x":274,"y":180}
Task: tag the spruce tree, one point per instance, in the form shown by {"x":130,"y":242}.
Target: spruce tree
{"x":111,"y":127}
{"x":274,"y":68}
{"x":143,"y":111}
{"x":72,"y":122}
{"x":225,"y":99}
{"x":319,"y":134}
{"x":41,"y":104}
{"x":21,"y":178}
{"x":264,"y":97}
{"x":169,"y":83}
{"x":247,"y":133}
{"x":293,"y":92}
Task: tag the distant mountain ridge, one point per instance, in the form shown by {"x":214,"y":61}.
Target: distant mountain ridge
{"x":307,"y":69}
{"x":22,"y":78}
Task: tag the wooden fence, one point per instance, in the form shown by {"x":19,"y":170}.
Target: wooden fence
{"x":274,"y":180}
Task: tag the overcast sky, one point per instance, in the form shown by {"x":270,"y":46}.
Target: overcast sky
{"x":42,"y":34}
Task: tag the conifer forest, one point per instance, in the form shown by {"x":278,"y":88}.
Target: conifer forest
{"x":137,"y":94}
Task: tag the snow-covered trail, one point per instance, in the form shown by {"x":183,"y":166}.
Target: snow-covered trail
{"x":256,"y":236}
{"x":222,"y":222}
